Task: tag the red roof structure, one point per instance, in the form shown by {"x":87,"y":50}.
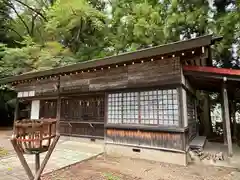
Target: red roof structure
{"x":212,"y":78}
{"x":212,"y":70}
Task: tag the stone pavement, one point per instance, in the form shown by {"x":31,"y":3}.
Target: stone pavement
{"x":68,"y":151}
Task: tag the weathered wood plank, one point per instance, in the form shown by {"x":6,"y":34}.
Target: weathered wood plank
{"x":146,"y":138}
{"x":198,"y":142}
{"x":125,"y":76}
{"x":43,"y":87}
{"x":151,"y":73}
{"x":82,"y":129}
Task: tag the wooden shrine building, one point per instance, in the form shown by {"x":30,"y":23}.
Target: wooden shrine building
{"x":142,"y":103}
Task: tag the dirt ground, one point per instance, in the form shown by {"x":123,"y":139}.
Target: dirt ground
{"x":108,"y":168}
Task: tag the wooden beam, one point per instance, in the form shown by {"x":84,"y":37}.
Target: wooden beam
{"x":22,"y":159}
{"x":227,"y":119}
{"x":147,"y":128}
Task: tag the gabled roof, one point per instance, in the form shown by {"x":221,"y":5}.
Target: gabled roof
{"x":122,"y":58}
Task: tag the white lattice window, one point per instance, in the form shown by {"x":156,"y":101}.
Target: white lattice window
{"x":130,"y":108}
{"x":115,"y":108}
{"x":157,"y":107}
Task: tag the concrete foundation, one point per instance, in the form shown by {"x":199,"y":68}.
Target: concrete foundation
{"x":147,"y":154}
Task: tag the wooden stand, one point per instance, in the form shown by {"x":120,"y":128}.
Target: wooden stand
{"x":35,"y":137}
{"x":39,"y":168}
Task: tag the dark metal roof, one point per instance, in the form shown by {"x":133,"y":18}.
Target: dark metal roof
{"x":122,"y":58}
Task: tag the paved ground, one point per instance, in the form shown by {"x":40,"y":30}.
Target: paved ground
{"x":68,"y":151}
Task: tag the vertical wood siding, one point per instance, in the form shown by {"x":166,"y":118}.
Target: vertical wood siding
{"x":146,"y":138}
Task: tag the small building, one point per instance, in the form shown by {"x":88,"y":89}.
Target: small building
{"x":143,"y":103}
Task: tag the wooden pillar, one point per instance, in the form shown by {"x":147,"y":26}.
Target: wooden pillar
{"x":224,"y":122}
{"x":234,"y":120}
{"x":58,"y":105}
{"x":16,"y":113}
{"x":227,"y":119}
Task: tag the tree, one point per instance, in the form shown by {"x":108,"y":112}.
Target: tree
{"x":140,"y":24}
{"x":82,"y":28}
{"x":27,"y":18}
{"x":33,"y":57}
{"x":135,"y":25}
{"x":226,"y":23}
{"x":4,"y":25}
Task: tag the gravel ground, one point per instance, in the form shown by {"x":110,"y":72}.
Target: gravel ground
{"x":108,"y":168}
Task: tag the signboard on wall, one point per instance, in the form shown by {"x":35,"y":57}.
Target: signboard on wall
{"x":35,"y":108}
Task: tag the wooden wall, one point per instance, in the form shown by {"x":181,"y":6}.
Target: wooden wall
{"x":153,"y":139}
{"x":82,"y":129}
{"x":151,"y":73}
{"x":161,"y":72}
{"x":45,"y":87}
{"x":157,"y":73}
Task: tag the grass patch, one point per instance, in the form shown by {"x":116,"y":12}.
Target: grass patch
{"x":3,"y":152}
{"x":110,"y":176}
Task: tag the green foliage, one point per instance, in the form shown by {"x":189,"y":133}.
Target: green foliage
{"x":33,"y":57}
{"x":225,"y":22}
{"x":4,"y":27}
{"x":81,"y":26}
{"x":60,"y":30}
{"x":3,"y":152}
{"x":135,"y":26}
{"x":7,"y":106}
{"x":140,"y":24}
{"x":110,"y":176}
{"x":96,"y":28}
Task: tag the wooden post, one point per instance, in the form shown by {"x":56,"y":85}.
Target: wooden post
{"x":234,"y":121}
{"x":37,"y":163}
{"x":58,"y":105}
{"x":182,"y":108}
{"x":227,"y":119}
{"x":105,"y":122}
{"x":16,"y":113}
{"x":224,"y":122}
